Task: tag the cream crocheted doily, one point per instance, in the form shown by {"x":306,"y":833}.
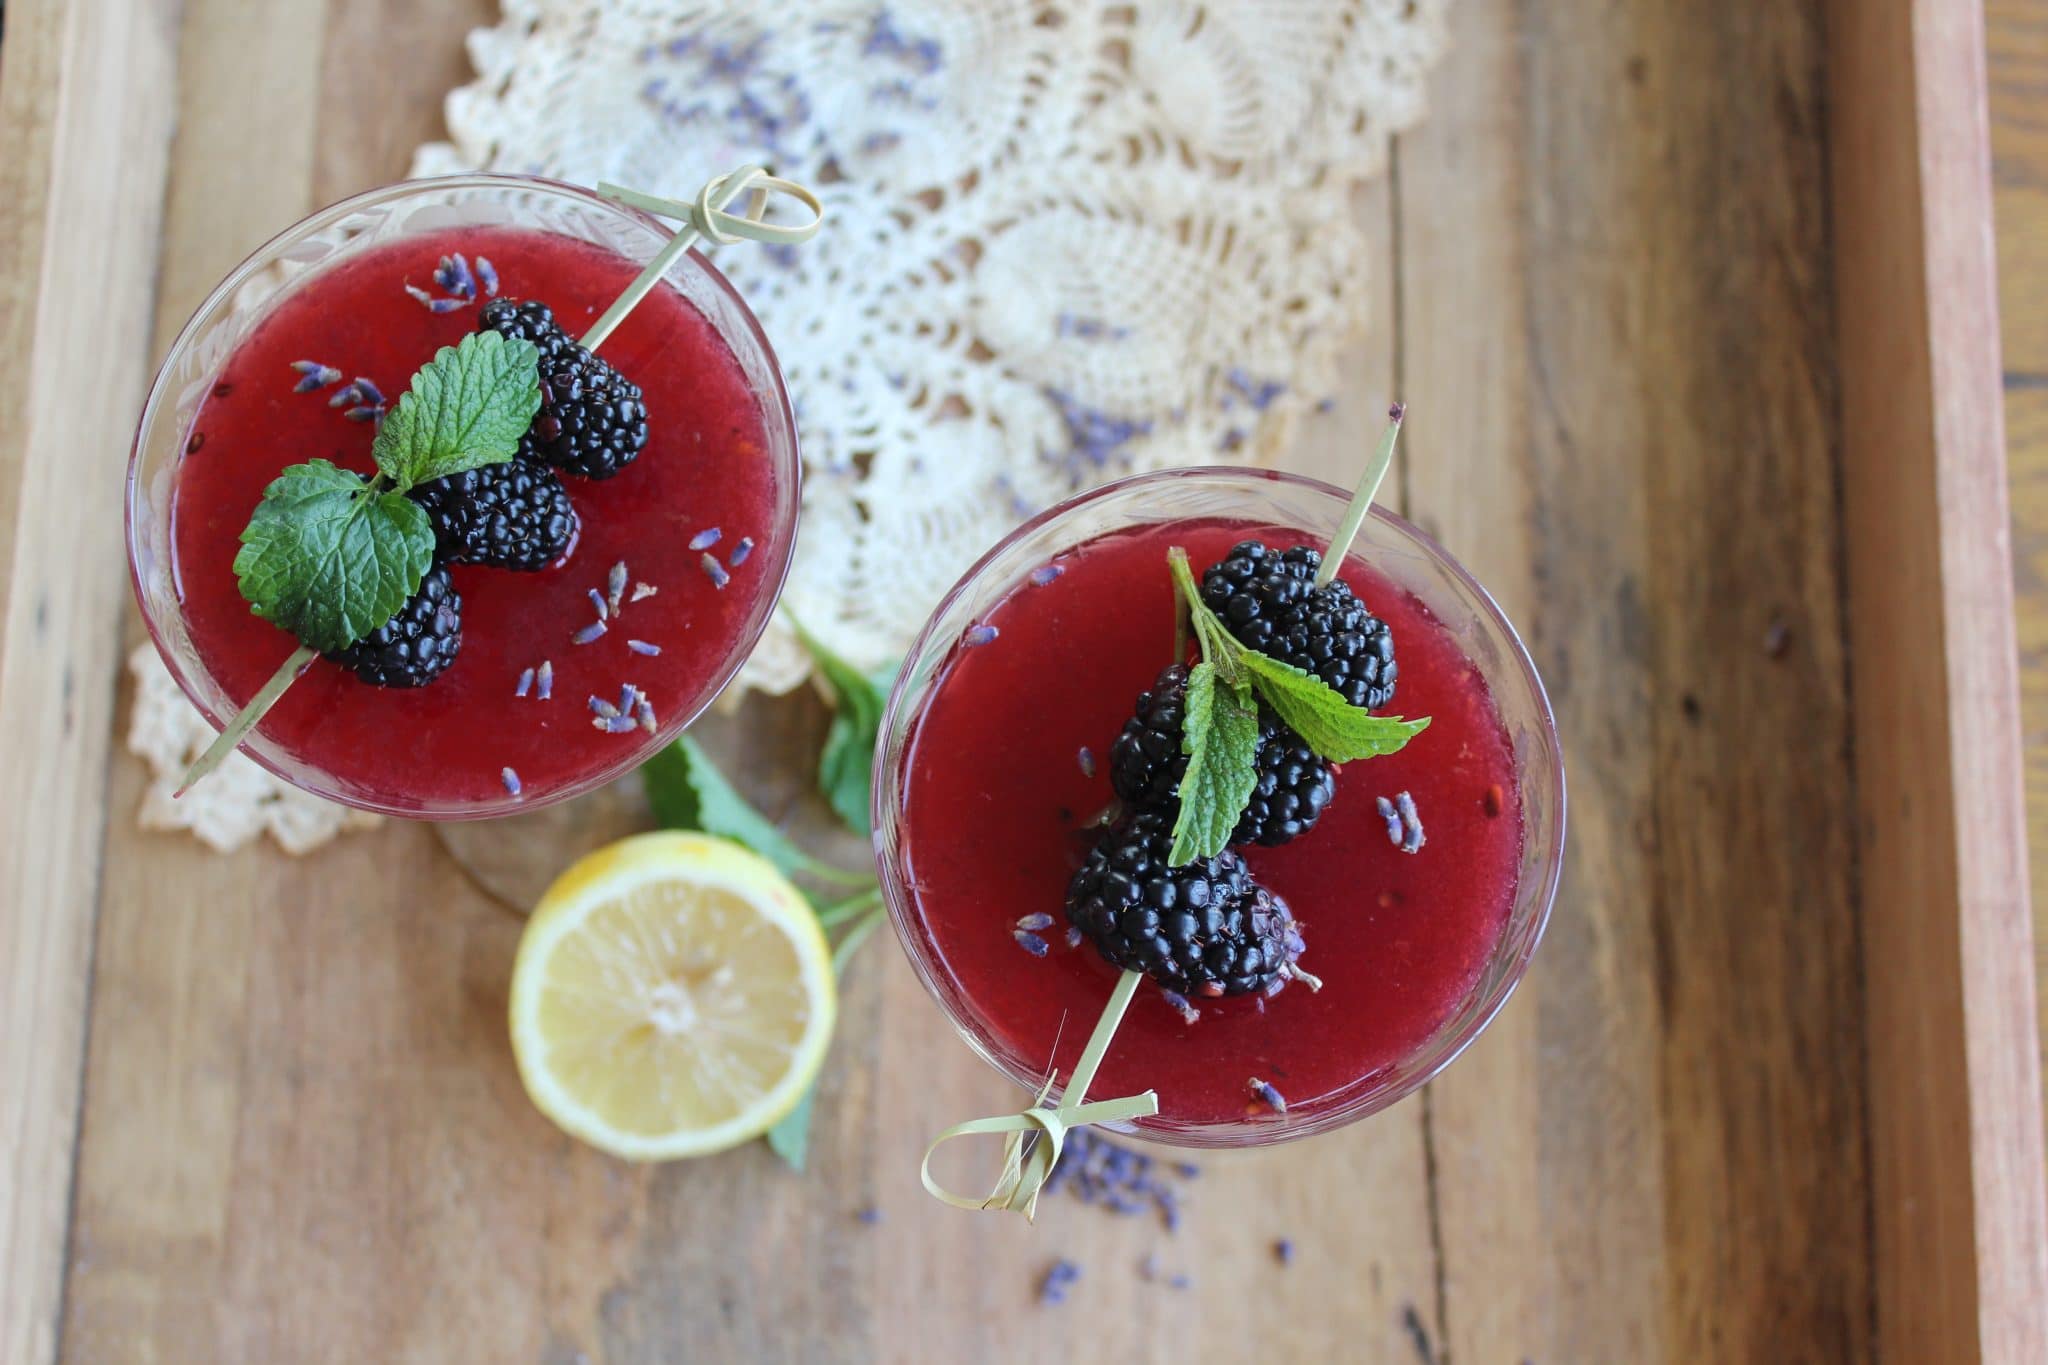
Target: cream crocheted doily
{"x":1067,"y":241}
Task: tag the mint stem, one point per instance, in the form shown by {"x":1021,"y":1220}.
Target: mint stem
{"x":1361,"y":501}
{"x":839,"y":911}
{"x":248,"y":718}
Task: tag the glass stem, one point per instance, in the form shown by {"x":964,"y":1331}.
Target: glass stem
{"x":1361,"y":501}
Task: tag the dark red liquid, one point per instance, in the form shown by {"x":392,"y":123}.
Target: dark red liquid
{"x":706,"y":464}
{"x":995,"y":794}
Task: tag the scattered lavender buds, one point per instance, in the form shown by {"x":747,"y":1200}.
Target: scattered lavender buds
{"x":313,"y":375}
{"x":1073,"y":936}
{"x":1180,"y":1282}
{"x":510,"y":779}
{"x":370,"y":392}
{"x":615,"y":586}
{"x":587,"y":634}
{"x":488,"y":273}
{"x":426,"y":300}
{"x":1283,"y":1251}
{"x":546,"y":679}
{"x":1179,"y":1004}
{"x":366,"y":413}
{"x":345,"y":395}
{"x":642,"y":647}
{"x":1411,"y":822}
{"x":1053,"y":1288}
{"x":443,"y":305}
{"x":1046,"y":573}
{"x":742,"y":550}
{"x":1096,"y":1170}
{"x":869,"y":1215}
{"x":603,"y":708}
{"x":629,"y":698}
{"x":1265,"y":1094}
{"x":616,"y":725}
{"x":644,"y":713}
{"x":705,"y":538}
{"x":1087,"y":760}
{"x":1030,"y":942}
{"x":525,"y":684}
{"x":452,"y":274}
{"x":642,"y":591}
{"x":1395,"y":834}
{"x":715,"y":571}
{"x":979,"y":635}
{"x":1036,"y":920}
{"x":597,"y":601}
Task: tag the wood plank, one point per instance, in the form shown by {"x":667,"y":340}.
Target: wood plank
{"x":1661,"y":1132}
{"x":83,"y":120}
{"x":1956,"y":1146}
{"x":2016,"y":43}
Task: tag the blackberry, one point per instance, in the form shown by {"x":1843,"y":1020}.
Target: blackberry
{"x":1269,"y":601}
{"x":1146,"y":765}
{"x":513,"y":515}
{"x":1202,"y":928}
{"x":592,"y":421}
{"x":415,"y":646}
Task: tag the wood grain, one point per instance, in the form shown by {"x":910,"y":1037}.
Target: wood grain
{"x":1956,"y":1142}
{"x":2016,"y":39}
{"x":83,"y":113}
{"x":1662,"y":1132}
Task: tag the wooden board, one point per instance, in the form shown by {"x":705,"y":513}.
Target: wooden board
{"x":1955,"y":1098}
{"x":1607,"y":290}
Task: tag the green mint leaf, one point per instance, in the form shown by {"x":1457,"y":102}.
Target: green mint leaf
{"x":687,"y":791}
{"x":1331,"y":726}
{"x":466,"y":408}
{"x":1221,"y":736}
{"x":790,"y":1138}
{"x":846,"y":765}
{"x":330,"y":558}
{"x":1219,"y":646}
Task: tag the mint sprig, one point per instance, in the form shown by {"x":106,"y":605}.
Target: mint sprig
{"x":846,"y":765}
{"x":1221,"y":736}
{"x":466,"y":408}
{"x":330,"y":557}
{"x":1220,"y":733}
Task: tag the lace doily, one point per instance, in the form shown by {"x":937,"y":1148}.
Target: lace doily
{"x":1068,"y":241}
{"x":240,"y":800}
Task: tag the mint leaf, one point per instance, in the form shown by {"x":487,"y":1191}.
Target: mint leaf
{"x":846,"y":765}
{"x":1221,"y":736}
{"x":687,"y":791}
{"x":466,"y":408}
{"x":790,"y":1138}
{"x":1333,"y":727}
{"x":328,"y":557}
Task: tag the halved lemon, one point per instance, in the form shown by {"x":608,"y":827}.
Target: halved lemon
{"x":673,"y":996}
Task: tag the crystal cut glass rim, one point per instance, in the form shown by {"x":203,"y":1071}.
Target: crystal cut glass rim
{"x":221,"y":302}
{"x":1540,"y":758}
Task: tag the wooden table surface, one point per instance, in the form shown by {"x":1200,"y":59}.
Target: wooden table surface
{"x":263,"y":1109}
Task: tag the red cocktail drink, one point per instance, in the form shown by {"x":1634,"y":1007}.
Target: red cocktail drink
{"x":702,"y":520}
{"x":996,"y":765}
